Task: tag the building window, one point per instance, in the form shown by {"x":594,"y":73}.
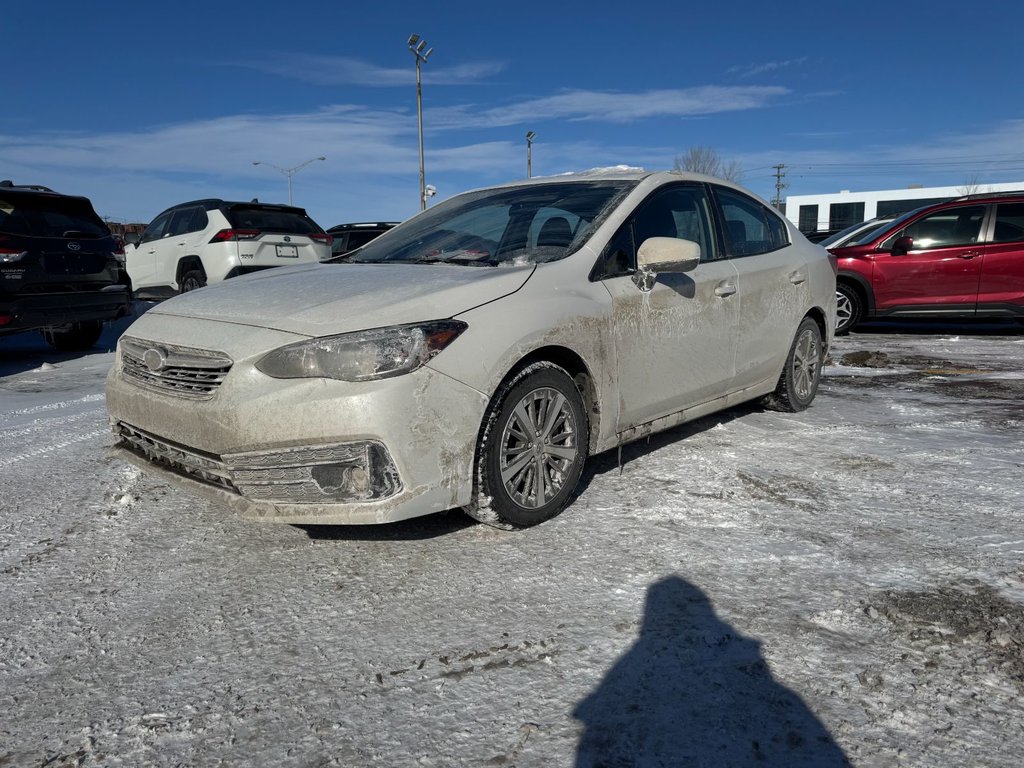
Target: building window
{"x":899,"y":207}
{"x":808,"y":218}
{"x":843,"y":215}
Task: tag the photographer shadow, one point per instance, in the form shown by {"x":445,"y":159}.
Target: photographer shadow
{"x":694,"y":692}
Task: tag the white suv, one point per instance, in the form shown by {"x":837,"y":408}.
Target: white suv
{"x":206,"y":241}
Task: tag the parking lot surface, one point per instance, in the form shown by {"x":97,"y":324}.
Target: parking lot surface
{"x":841,"y":585}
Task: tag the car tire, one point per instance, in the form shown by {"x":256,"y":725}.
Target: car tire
{"x":192,"y":280}
{"x":532,"y":448}
{"x":77,"y":338}
{"x":801,"y":374}
{"x":849,"y":307}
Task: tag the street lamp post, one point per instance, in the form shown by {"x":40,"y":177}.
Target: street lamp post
{"x":530,"y":136}
{"x":289,"y":172}
{"x":416,"y":45}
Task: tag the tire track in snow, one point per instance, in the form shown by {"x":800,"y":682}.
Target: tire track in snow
{"x":43,"y":450}
{"x":47,"y":425}
{"x":93,"y":398}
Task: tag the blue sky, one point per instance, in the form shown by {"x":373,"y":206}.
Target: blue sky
{"x":143,"y":105}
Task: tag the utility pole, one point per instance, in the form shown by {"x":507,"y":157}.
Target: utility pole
{"x":780,"y":174}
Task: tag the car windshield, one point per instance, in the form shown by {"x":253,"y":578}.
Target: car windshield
{"x":39,"y":216}
{"x":852,"y":235}
{"x":509,"y":226}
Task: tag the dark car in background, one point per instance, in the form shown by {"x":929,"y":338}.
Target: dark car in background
{"x":61,"y":271}
{"x":349,"y":237}
{"x":961,"y":258}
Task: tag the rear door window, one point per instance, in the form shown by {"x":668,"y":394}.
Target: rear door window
{"x":1009,"y":226}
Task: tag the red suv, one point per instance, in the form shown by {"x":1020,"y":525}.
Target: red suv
{"x":960,"y":258}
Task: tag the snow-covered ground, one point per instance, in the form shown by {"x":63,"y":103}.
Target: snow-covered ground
{"x":844,"y":584}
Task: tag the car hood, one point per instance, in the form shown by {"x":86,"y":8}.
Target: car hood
{"x":322,"y":299}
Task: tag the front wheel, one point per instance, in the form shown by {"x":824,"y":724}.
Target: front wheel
{"x":532,"y":449}
{"x":798,"y":383}
{"x":849,"y":307}
{"x":76,"y":338}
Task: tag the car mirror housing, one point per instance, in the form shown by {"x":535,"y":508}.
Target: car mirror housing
{"x":664,"y":254}
{"x":668,"y":254}
{"x":902,"y":246}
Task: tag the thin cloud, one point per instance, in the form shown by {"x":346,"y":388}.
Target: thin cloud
{"x":769,"y":66}
{"x":610,"y":106}
{"x":341,"y":70}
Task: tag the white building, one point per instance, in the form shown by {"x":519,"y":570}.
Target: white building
{"x":814,"y":213}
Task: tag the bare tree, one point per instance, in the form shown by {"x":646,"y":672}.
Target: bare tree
{"x":971,"y":186}
{"x":701,"y":159}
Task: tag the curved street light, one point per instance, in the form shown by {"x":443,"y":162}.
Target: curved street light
{"x":289,"y":172}
{"x":416,"y":45}
{"x":530,"y":136}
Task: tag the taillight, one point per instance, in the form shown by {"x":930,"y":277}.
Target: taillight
{"x":321,"y":237}
{"x":233,"y":235}
{"x":5,"y":319}
{"x":9,"y":254}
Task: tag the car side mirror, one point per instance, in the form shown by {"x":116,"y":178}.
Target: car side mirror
{"x":664,"y":254}
{"x":902,"y":246}
{"x":131,"y":238}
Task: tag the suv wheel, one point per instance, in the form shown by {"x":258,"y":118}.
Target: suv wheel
{"x":192,"y":280}
{"x":849,"y":307}
{"x":77,"y":338}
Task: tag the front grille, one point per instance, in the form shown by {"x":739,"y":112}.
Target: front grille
{"x":181,"y":371}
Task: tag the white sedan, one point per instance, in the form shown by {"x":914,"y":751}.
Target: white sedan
{"x":477,"y":354}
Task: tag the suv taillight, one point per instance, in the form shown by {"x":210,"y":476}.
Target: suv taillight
{"x":233,"y":235}
{"x":321,"y":237}
{"x":9,"y":254}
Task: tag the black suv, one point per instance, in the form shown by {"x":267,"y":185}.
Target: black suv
{"x":348,"y":237}
{"x":60,"y":269}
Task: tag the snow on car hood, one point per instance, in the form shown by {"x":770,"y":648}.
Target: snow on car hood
{"x":320,"y":299}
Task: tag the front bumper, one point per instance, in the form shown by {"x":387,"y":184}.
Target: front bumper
{"x":307,"y":450}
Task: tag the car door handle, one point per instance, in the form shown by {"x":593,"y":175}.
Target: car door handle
{"x":797,"y":277}
{"x":725,"y":288}
{"x":969,"y":254}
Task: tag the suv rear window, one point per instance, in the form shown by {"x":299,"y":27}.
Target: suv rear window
{"x":46,"y":216}
{"x":294,"y":221}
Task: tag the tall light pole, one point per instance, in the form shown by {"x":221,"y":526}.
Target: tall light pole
{"x":416,"y":45}
{"x":530,"y":136}
{"x":289,"y":172}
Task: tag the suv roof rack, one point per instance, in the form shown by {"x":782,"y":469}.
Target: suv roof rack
{"x":8,"y":184}
{"x":984,"y":195}
{"x":367,"y":224}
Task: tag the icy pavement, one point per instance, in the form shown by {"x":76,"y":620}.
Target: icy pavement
{"x":844,"y":584}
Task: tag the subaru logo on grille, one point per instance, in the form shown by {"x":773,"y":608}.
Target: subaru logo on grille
{"x":74,"y":246}
{"x":155,"y":359}
{"x":287,"y":239}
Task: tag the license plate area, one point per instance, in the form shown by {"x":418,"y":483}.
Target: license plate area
{"x":287,"y":252}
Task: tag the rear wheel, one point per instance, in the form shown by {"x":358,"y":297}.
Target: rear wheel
{"x":192,"y":280}
{"x":798,"y":383}
{"x":75,"y":338}
{"x":849,"y":307}
{"x":533,"y":447}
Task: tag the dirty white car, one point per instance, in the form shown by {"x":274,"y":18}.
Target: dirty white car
{"x":476,"y":355}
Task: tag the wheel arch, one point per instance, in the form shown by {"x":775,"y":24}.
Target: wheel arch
{"x":862,"y":286}
{"x":578,"y":371}
{"x":186,"y":264}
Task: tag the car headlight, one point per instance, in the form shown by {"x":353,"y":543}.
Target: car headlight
{"x":378,"y":353}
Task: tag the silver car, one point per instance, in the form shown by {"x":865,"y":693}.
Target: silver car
{"x":475,"y":356}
